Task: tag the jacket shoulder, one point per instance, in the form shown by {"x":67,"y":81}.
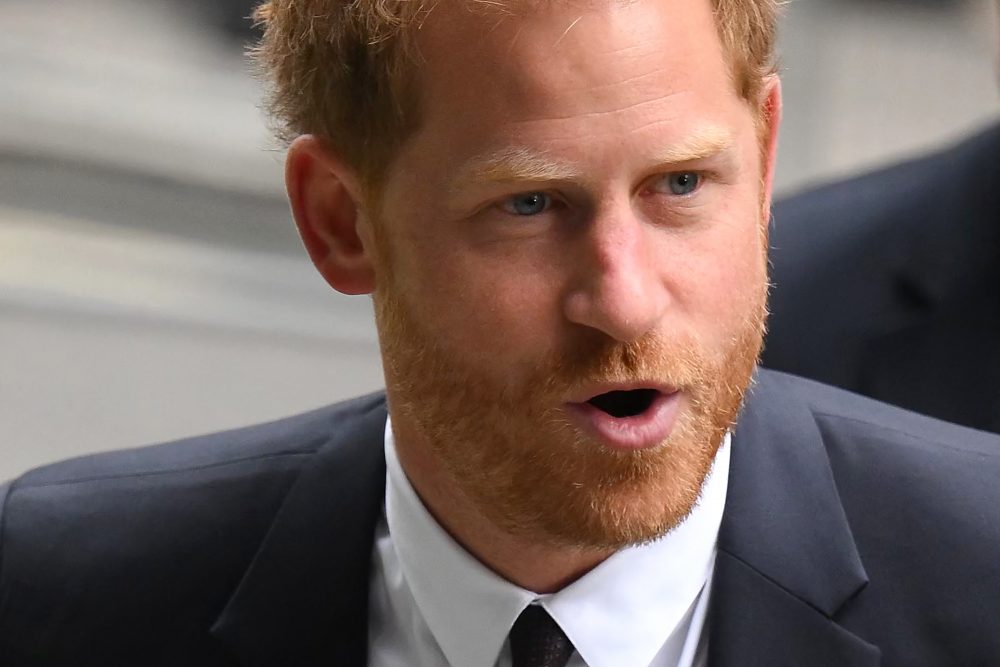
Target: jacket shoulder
{"x":921,"y":471}
{"x":288,"y":437}
{"x":921,"y":500}
{"x":910,"y":465}
{"x":912,"y":486}
{"x":916,"y":499}
{"x":843,"y":411}
{"x":99,"y":488}
{"x":148,"y":541}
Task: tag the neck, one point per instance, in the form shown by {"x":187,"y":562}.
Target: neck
{"x":540,"y":567}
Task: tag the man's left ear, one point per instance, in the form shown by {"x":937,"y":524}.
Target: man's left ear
{"x":771,"y":118}
{"x":326,"y":196}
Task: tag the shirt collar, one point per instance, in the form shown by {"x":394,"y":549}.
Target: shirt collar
{"x":621,"y":612}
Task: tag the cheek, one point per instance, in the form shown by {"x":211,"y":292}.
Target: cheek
{"x":724,"y":278}
{"x":488,"y":306}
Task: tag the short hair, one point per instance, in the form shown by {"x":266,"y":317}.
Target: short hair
{"x":343,"y":69}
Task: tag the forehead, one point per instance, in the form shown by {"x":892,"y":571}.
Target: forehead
{"x":601,"y":51}
{"x":599,"y":81}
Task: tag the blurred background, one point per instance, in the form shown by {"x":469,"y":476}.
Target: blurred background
{"x":151,"y":283}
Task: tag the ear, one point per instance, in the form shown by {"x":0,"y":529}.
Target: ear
{"x":771,"y":118}
{"x":326,"y":198}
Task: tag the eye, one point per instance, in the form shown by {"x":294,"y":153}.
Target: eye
{"x":683,"y":182}
{"x":529,"y":203}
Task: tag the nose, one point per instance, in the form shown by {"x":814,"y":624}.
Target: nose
{"x":618,"y":285}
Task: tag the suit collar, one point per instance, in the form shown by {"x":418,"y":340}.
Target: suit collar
{"x":787,"y":561}
{"x":304,"y":599}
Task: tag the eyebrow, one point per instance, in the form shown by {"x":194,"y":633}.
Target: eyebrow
{"x":525,"y":164}
{"x":701,"y":145}
{"x":515,"y":164}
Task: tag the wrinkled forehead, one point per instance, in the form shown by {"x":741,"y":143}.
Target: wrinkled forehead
{"x":574,"y":91}
{"x":534,"y":50}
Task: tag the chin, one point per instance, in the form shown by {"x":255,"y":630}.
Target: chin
{"x":618,"y":514}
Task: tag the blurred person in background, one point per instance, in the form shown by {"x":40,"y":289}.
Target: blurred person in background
{"x":888,"y":284}
{"x":560,"y":210}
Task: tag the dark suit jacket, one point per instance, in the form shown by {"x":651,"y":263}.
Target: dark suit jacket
{"x":854,"y":534}
{"x":889,"y":284}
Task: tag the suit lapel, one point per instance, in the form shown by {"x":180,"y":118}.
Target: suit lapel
{"x":787,"y":562}
{"x":304,"y":599}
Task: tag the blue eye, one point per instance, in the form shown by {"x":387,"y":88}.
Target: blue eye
{"x":683,"y":182}
{"x":531,"y":203}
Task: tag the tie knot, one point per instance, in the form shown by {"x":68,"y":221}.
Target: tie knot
{"x":536,"y":640}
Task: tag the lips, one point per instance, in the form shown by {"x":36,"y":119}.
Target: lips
{"x":629,"y":418}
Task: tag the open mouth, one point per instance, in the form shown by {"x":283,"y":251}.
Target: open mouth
{"x":627,"y":418}
{"x":623,"y":404}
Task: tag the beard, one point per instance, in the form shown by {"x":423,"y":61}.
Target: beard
{"x":506,"y":443}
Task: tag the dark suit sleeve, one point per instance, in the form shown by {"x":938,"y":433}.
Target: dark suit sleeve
{"x":4,"y":492}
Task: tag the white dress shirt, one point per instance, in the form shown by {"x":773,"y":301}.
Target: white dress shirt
{"x":434,"y":605}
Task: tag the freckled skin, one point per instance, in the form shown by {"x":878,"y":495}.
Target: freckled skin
{"x":474,"y":304}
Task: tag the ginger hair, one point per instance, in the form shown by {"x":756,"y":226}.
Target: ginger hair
{"x":344,"y":70}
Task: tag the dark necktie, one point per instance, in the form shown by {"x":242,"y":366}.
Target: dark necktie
{"x":537,"y":641}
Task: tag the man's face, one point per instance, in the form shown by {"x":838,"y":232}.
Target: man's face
{"x":579,"y":214}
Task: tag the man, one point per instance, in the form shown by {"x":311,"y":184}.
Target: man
{"x":560,"y":210}
{"x":910,"y":255}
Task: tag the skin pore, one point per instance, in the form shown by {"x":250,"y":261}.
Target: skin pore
{"x":581,"y":208}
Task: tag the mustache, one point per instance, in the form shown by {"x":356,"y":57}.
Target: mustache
{"x":678,"y":362}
